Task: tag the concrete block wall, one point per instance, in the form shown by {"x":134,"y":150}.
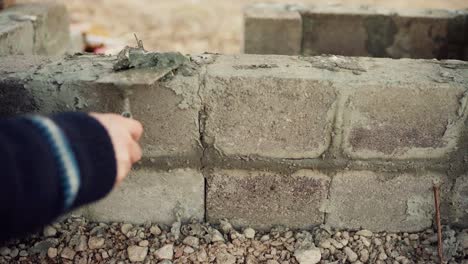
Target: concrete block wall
{"x":274,"y":140}
{"x":355,"y":31}
{"x":34,"y":29}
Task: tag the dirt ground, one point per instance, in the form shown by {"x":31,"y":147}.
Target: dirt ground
{"x":194,"y":26}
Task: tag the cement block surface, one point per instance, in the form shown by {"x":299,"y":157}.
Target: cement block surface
{"x":169,"y":112}
{"x":148,"y":195}
{"x":404,"y":121}
{"x":382,"y":202}
{"x":51,"y":26}
{"x":460,"y":201}
{"x":265,"y":199}
{"x":16,"y":38}
{"x":272,"y":29}
{"x":266,"y":106}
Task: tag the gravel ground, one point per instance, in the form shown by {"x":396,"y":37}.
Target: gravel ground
{"x":76,"y":240}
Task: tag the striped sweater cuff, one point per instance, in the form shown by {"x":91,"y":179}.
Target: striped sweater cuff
{"x":64,"y":157}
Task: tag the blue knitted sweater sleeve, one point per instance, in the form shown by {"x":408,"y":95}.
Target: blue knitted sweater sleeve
{"x":49,"y":166}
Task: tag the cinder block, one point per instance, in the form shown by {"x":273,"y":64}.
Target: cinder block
{"x":404,"y":121}
{"x":51,"y":25}
{"x":272,"y":29}
{"x":154,"y":196}
{"x":16,"y":38}
{"x":169,"y":111}
{"x":268,"y":106}
{"x":382,"y":202}
{"x":364,"y":31}
{"x":460,"y":201}
{"x":265,"y":199}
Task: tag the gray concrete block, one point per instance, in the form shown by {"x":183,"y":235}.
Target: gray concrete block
{"x":148,"y":195}
{"x":169,"y":111}
{"x":402,"y":121}
{"x":51,"y":26}
{"x":272,"y":29}
{"x":460,"y":201}
{"x":379,"y":32}
{"x":267,"y":106}
{"x":262,"y":199}
{"x":400,"y":202}
{"x":16,"y":38}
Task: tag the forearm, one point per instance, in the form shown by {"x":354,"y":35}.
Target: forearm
{"x":50,"y":166}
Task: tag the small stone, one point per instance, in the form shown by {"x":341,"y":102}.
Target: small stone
{"x":104,"y":255}
{"x":52,"y":253}
{"x":125,"y":228}
{"x":325,"y":244}
{"x":265,"y":238}
{"x":309,"y":256}
{"x":82,"y":244}
{"x":249,"y":233}
{"x":68,"y":253}
{"x":352,"y":256}
{"x":364,"y":233}
{"x":165,"y":262}
{"x":216,"y":236}
{"x":414,"y":237}
{"x":4,"y":251}
{"x":14,"y":253}
{"x":188,"y":250}
{"x":144,"y":243}
{"x":137,"y":253}
{"x":191,"y":241}
{"x":225,"y":258}
{"x":23,"y":253}
{"x":155,"y":230}
{"x":463,"y":239}
{"x":364,"y":255}
{"x":225,"y":226}
{"x":383,"y":256}
{"x":96,"y":242}
{"x":166,"y":252}
{"x":271,"y":261}
{"x":49,"y":231}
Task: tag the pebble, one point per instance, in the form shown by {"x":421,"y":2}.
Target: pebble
{"x":364,"y":255}
{"x":155,"y":230}
{"x":96,"y":242}
{"x":68,"y":253}
{"x":364,"y":233}
{"x":414,"y":237}
{"x":249,"y":233}
{"x":383,"y":256}
{"x":125,"y":228}
{"x":49,"y":231}
{"x":309,"y":256}
{"x":52,"y":253}
{"x":188,"y":250}
{"x":191,"y":241}
{"x":166,"y":252}
{"x":352,"y":256}
{"x":216,"y":236}
{"x":144,"y":243}
{"x":4,"y":251}
{"x":14,"y":253}
{"x":23,"y":253}
{"x":137,"y":253}
{"x":225,"y":226}
{"x":225,"y":258}
{"x":82,"y":244}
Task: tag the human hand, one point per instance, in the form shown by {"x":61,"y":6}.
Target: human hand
{"x":125,"y":134}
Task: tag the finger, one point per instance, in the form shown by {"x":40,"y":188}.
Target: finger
{"x":135,"y":128}
{"x":135,"y":152}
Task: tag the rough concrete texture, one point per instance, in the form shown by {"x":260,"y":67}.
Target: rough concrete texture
{"x":460,"y":201}
{"x":261,"y":105}
{"x":16,"y":38}
{"x":50,"y":22}
{"x":169,"y":111}
{"x":154,"y":196}
{"x":265,"y":199}
{"x":372,"y":32}
{"x":377,"y":201}
{"x":272,"y":29}
{"x":404,"y":121}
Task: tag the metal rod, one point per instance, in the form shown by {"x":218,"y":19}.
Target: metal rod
{"x":436,"y":187}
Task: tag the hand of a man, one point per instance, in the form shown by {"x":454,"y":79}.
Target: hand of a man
{"x":125,"y":134}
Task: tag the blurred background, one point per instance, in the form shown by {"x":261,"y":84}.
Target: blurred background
{"x":189,"y":26}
